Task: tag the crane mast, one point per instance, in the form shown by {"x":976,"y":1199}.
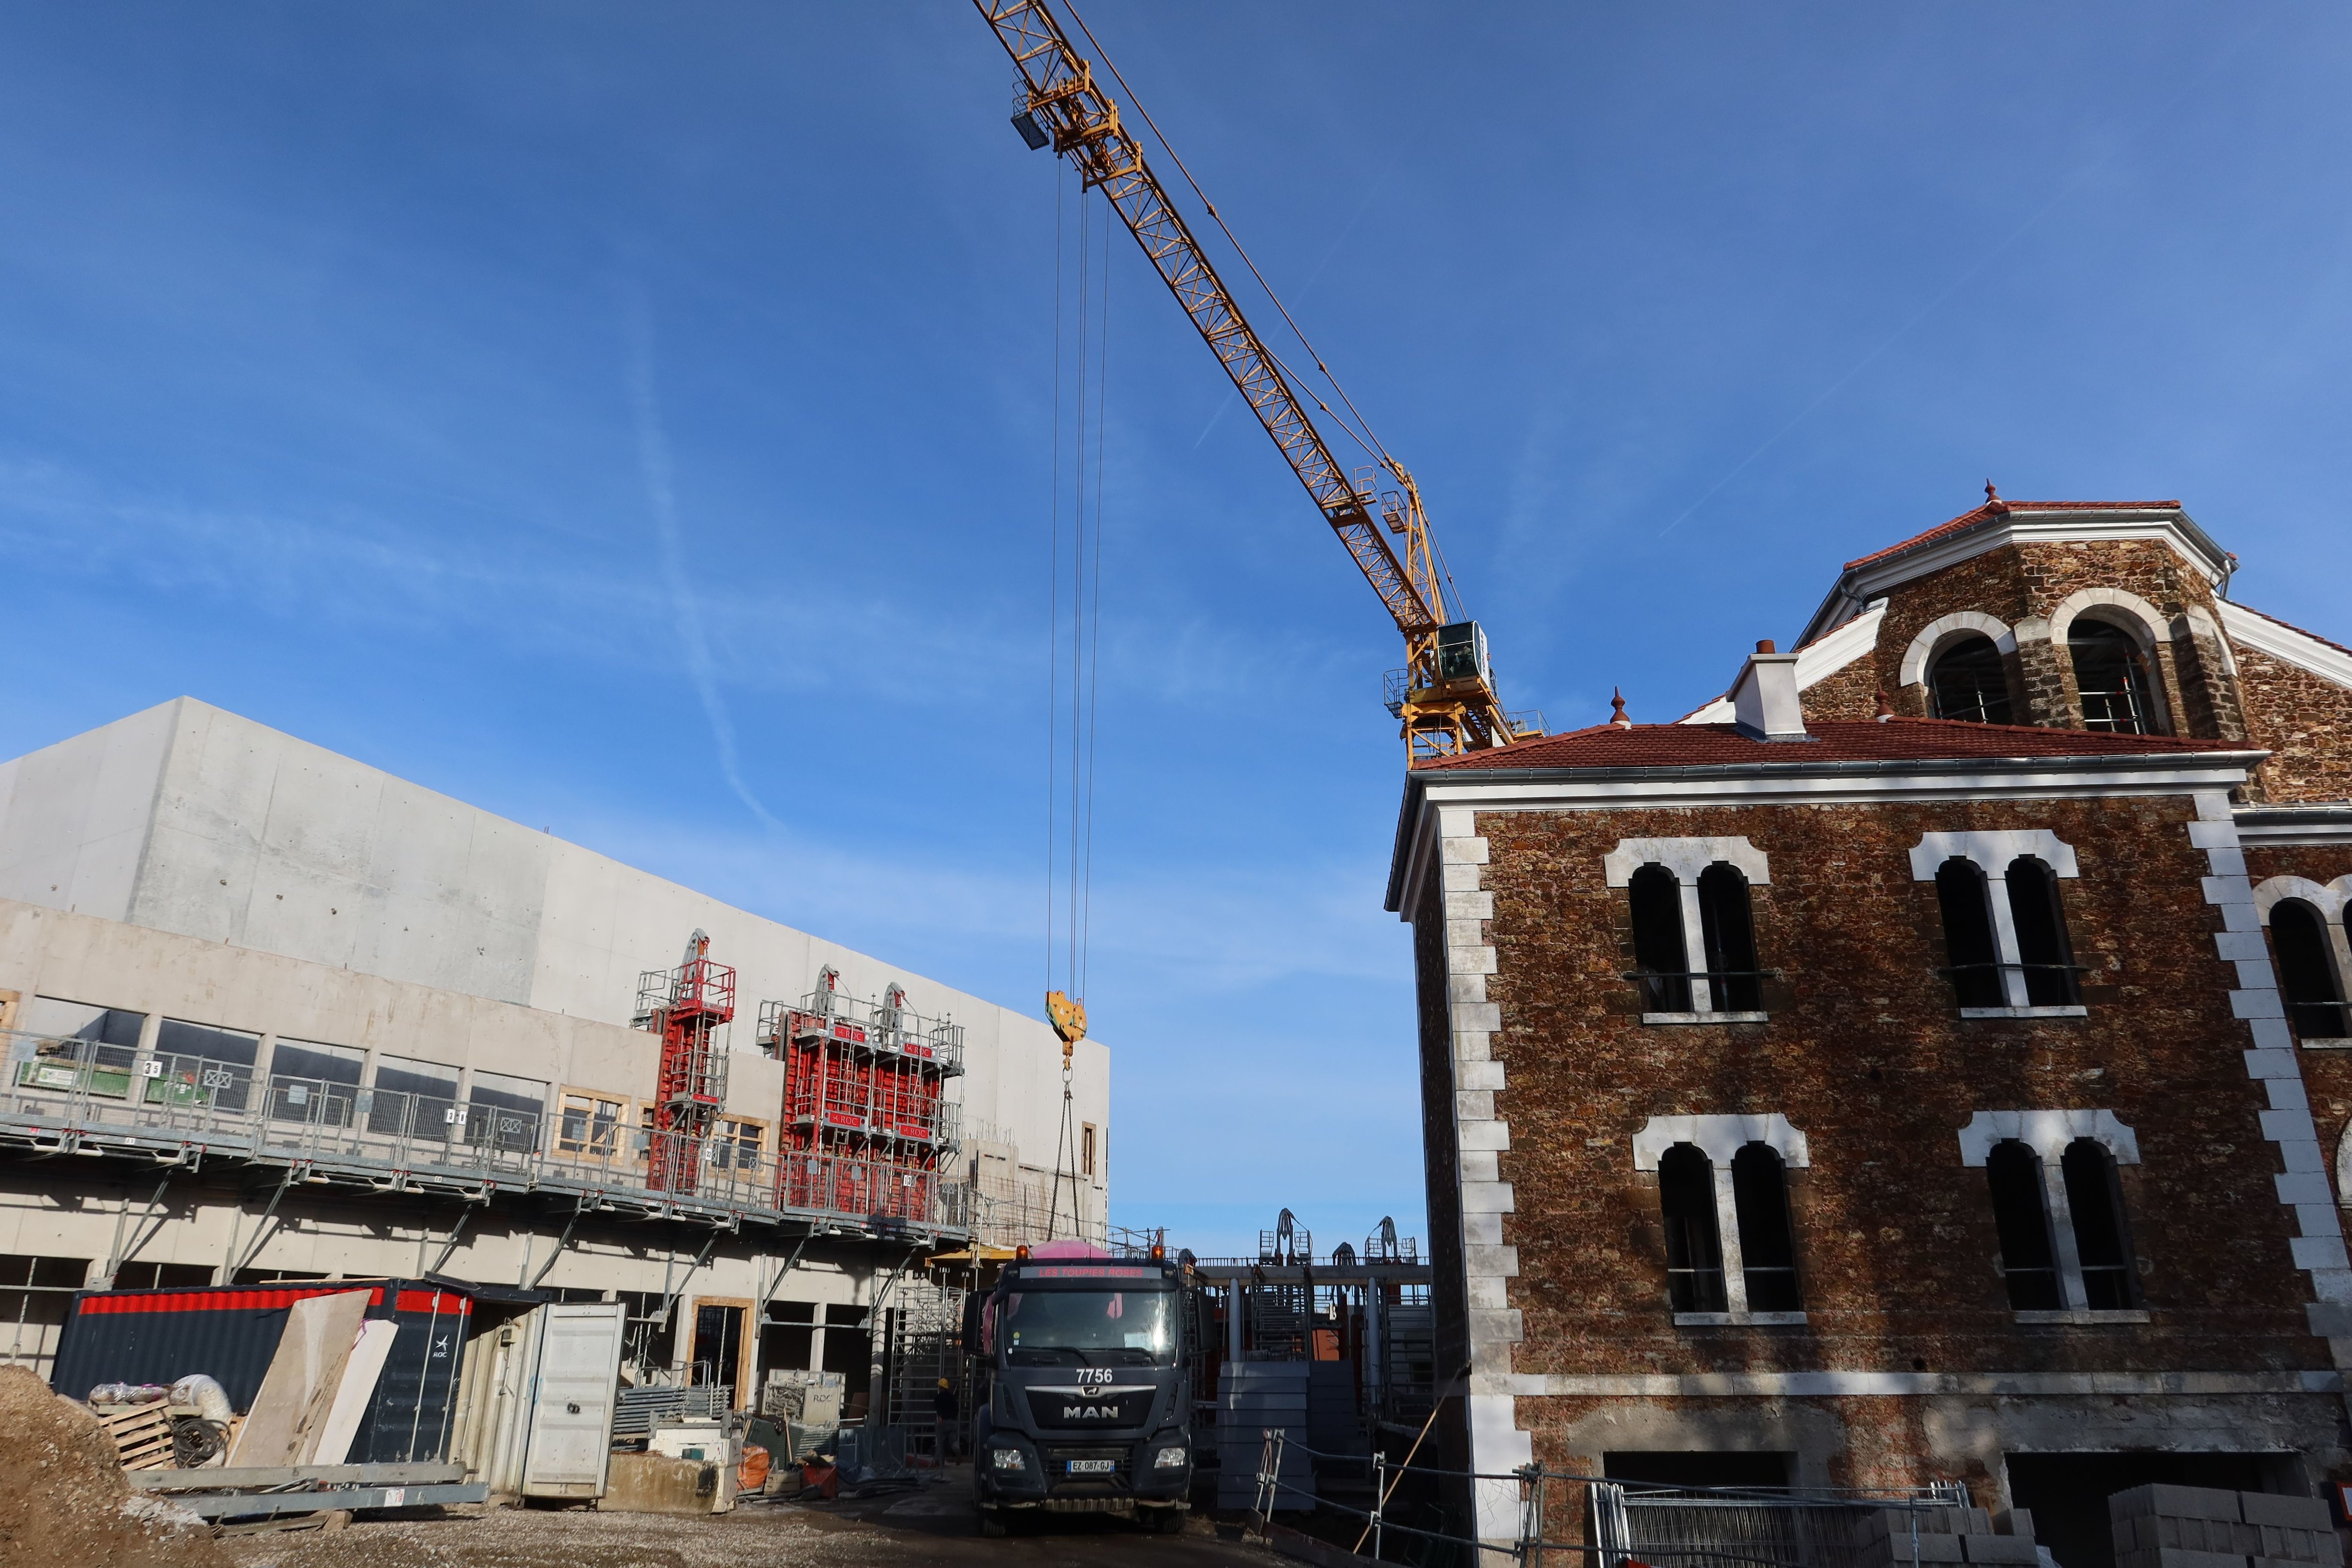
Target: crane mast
{"x":1444,"y":697}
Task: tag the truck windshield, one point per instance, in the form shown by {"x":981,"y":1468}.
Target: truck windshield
{"x":1044,"y":1328}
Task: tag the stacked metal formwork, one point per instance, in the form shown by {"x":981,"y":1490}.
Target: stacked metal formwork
{"x":866,"y":1126}
{"x":686,"y":1007}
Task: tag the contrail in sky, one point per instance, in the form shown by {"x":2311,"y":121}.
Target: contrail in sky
{"x":661,"y":499}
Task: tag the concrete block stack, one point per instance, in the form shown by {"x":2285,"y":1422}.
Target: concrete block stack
{"x":1895,"y":1537}
{"x":2204,"y":1527}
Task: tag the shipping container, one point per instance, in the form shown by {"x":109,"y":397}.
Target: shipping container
{"x":229,"y":1332}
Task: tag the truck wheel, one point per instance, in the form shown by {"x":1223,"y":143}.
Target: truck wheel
{"x":991,"y":1523}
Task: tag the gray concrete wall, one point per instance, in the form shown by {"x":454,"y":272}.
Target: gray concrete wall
{"x":190,"y":821}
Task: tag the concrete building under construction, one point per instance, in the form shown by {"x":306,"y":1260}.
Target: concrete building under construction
{"x":273,"y":1013}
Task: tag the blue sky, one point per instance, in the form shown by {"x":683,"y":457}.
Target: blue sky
{"x":547,"y":403}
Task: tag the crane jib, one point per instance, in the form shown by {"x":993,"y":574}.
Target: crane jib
{"x":1081,"y":122}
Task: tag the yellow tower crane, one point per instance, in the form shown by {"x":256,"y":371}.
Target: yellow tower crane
{"x":1444,"y":697}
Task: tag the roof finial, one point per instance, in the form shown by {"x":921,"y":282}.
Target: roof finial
{"x":1992,"y":495}
{"x":1617,"y":708}
{"x":1885,"y":709}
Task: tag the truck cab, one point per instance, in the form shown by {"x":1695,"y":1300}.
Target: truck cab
{"x":1082,"y":1387}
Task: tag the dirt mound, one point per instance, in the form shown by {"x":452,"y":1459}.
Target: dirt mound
{"x":63,"y":1503}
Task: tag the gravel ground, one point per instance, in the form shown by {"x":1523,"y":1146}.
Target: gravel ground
{"x":935,"y":1525}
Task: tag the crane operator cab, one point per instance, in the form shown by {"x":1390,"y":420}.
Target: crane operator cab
{"x":1081,"y":1389}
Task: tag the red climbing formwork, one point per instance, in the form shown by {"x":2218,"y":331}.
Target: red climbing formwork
{"x":686,"y":1007}
{"x":866,"y":1126}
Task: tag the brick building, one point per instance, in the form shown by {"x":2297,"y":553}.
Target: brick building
{"x":1926,"y":1061}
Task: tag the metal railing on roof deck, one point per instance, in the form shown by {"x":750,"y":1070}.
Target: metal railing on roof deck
{"x":874,"y":1026}
{"x":67,"y":1094}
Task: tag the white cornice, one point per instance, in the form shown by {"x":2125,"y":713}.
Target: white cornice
{"x":2253,"y":629}
{"x":1816,"y":783}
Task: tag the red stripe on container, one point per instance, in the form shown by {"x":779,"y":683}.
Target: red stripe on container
{"x":432,"y":1302}
{"x":220,"y":1300}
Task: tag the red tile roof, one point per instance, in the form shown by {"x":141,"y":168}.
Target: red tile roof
{"x":1835,"y":740}
{"x":1993,"y":509}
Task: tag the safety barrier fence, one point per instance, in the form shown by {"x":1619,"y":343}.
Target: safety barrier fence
{"x":1636,"y":1523}
{"x":67,"y":1093}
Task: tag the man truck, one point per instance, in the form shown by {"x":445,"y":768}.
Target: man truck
{"x":1081,"y":1382}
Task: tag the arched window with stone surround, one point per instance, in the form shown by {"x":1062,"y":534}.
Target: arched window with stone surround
{"x":2021,"y":1216}
{"x":1660,"y":954}
{"x":1694,"y":1242}
{"x":2094,"y":1202}
{"x":2111,"y":675}
{"x":1974,"y":958}
{"x":2044,"y":952}
{"x":1727,"y":933}
{"x":1768,"y":1246}
{"x":1967,"y":681}
{"x":2308,"y":983}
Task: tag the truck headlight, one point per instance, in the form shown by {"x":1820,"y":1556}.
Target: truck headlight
{"x":1168,"y":1459}
{"x":1008,"y":1459}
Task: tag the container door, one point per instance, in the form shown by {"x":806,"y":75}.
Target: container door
{"x":572,"y":1398}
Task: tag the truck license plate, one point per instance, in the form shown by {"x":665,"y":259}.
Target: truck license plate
{"x":1093,"y":1466}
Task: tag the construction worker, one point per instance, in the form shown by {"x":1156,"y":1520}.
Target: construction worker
{"x":947,"y":1407}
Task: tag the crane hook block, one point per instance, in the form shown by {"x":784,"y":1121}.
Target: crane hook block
{"x":1069,"y":1017}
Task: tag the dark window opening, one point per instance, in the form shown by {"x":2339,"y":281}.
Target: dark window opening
{"x":2111,"y":674}
{"x":162,"y":1276}
{"x":2314,"y":993}
{"x":1729,"y":927}
{"x":2067,"y":1493}
{"x":718,"y":1347}
{"x":2041,"y":946}
{"x":1694,"y":1245}
{"x":2020,"y":1214}
{"x":2101,"y":1241}
{"x":1961,"y":888}
{"x":1768,"y":1248}
{"x":1968,"y":681}
{"x":1658,"y":951}
{"x":1697,"y":1470}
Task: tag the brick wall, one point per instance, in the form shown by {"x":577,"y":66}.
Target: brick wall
{"x":2306,"y":725}
{"x":1867,"y":1056}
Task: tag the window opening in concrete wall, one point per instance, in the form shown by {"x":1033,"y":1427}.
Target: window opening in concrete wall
{"x":113,"y":1033}
{"x":737,"y":1143}
{"x":504,"y":1113}
{"x":1658,"y":950}
{"x":649,"y":1332}
{"x":1975,"y":960}
{"x":1768,"y":1248}
{"x":1087,"y":1149}
{"x":36,"y":1297}
{"x":718,"y":1346}
{"x":2043,"y":952}
{"x":1693,"y":1245}
{"x":788,"y":1336}
{"x":1727,"y":929}
{"x":2312,"y":989}
{"x":205,"y":1065}
{"x":1967,"y":681}
{"x":163,"y":1276}
{"x":2094,"y":1202}
{"x":2022,"y":1218}
{"x":2110,"y":673}
{"x":75,"y":1046}
{"x":414,"y":1098}
{"x":314,"y":1083}
{"x":589,"y":1123}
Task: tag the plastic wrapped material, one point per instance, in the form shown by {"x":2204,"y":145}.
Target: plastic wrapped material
{"x":127,"y":1394}
{"x":196,"y":1395}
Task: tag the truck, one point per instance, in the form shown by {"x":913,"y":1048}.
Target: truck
{"x":1081,"y":1380}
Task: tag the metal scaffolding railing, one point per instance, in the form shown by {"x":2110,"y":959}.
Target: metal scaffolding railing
{"x":73,"y":1095}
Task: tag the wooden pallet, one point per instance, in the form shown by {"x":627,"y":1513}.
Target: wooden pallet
{"x":142,"y":1436}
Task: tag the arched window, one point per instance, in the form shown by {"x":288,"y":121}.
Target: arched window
{"x":1768,"y":1248}
{"x":2110,"y":673}
{"x":1728,"y":930}
{"x":1967,"y":681}
{"x":2021,"y":1215}
{"x":2313,"y":991}
{"x":1967,"y":933}
{"x":1694,"y":1245}
{"x":2096,"y":1199}
{"x":1658,"y":951}
{"x":2045,"y":955}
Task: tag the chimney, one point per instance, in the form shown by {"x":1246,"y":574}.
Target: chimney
{"x":1764,"y":701}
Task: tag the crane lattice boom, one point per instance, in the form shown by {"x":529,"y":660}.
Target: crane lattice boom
{"x":1445,"y":699}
